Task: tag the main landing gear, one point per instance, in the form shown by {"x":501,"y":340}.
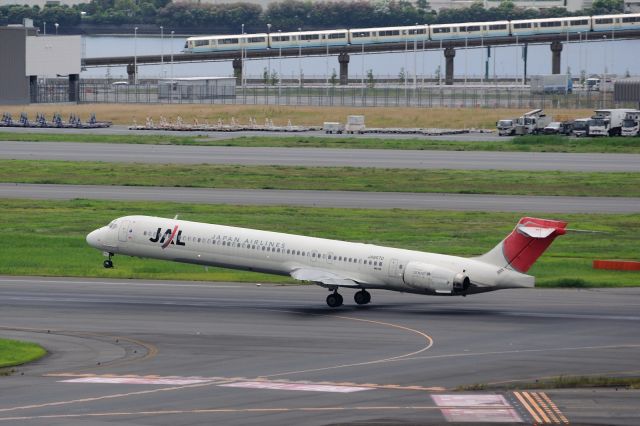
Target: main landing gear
{"x":108,"y":263}
{"x":361,"y":297}
{"x":334,"y":299}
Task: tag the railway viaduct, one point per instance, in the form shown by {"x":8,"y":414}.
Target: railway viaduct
{"x":448,"y":48}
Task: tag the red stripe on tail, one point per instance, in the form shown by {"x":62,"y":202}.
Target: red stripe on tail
{"x":522,"y":250}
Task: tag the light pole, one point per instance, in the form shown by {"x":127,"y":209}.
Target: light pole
{"x":362,"y":43}
{"x":44,"y":24}
{"x":56,"y":25}
{"x":517,"y":63}
{"x":299,"y":58}
{"x":440,"y":67}
{"x":466,"y":51}
{"x":279,"y":63}
{"x":172,"y":32}
{"x":415,"y":57}
{"x":161,"y":50}
{"x":269,"y":57}
{"x":242,"y":70}
{"x":135,"y":56}
{"x":604,"y":65}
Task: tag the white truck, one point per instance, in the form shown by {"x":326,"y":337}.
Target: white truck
{"x":552,"y":83}
{"x":631,"y":124}
{"x":532,"y":122}
{"x":355,"y":124}
{"x":608,"y":122}
{"x":580,"y":127}
{"x":506,"y":127}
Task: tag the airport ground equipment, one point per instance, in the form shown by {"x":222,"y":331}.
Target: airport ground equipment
{"x":631,"y":124}
{"x":607,"y":122}
{"x":332,"y":127}
{"x":355,"y":124}
{"x":506,"y":127}
{"x":532,"y":122}
{"x":552,"y":83}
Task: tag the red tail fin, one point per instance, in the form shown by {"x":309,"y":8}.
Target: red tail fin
{"x":525,"y":244}
{"x":529,"y":240}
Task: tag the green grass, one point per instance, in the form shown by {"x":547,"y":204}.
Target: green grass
{"x":47,"y":238}
{"x":526,"y":143}
{"x":561,"y":382}
{"x":323,"y":178}
{"x":14,"y":352}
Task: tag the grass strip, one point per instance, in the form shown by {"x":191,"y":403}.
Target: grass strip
{"x":15,"y":352}
{"x":47,"y":238}
{"x":561,"y":382}
{"x":544,"y":143}
{"x":323,"y":178}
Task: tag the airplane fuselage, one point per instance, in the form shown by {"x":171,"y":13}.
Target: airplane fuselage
{"x":335,"y":263}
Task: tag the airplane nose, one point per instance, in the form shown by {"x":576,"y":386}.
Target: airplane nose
{"x":93,"y":238}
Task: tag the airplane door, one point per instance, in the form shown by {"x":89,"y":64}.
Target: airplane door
{"x":124,"y":229}
{"x":330,"y":257}
{"x":395,"y":269}
{"x":314,"y":256}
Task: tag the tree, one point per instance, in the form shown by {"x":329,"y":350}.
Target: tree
{"x":604,"y":7}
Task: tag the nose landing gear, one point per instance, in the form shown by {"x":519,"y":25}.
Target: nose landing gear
{"x":108,"y":263}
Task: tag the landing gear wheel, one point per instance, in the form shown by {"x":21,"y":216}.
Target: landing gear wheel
{"x":334,"y":300}
{"x":108,"y":263}
{"x":362,"y":297}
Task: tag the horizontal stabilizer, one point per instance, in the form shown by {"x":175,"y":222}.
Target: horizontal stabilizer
{"x":535,"y":232}
{"x":321,"y":276}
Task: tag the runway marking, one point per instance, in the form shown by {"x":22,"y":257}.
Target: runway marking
{"x":427,"y":338}
{"x":296,"y":387}
{"x":179,"y":380}
{"x":476,"y":408}
{"x":381,"y":409}
{"x":541,"y":408}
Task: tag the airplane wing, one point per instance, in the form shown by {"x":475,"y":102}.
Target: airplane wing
{"x":322,"y":277}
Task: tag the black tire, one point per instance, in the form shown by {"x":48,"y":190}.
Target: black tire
{"x":108,"y":264}
{"x":334,"y":300}
{"x":362,"y":297}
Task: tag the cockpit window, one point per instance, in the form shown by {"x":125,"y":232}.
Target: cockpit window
{"x":113,"y":225}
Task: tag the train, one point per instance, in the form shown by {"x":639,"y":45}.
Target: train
{"x":413,"y":33}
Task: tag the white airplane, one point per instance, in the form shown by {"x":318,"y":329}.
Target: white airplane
{"x":331,"y":263}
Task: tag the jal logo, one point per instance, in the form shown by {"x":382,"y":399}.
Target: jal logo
{"x":168,"y":237}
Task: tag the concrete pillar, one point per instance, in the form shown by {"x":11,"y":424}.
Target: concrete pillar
{"x":343,"y":59}
{"x":74,"y":87}
{"x":449,"y":54}
{"x":33,"y":89}
{"x":556,"y":49}
{"x":237,"y":70}
{"x":131,"y":73}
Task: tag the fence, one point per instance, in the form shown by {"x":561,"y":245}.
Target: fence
{"x":349,"y":96}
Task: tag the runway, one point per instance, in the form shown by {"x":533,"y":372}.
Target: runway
{"x":317,"y":157}
{"x":338,"y":199}
{"x":166,"y":353}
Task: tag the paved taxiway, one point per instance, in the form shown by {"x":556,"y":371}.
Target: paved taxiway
{"x":167,"y":353}
{"x":316,"y":157}
{"x":339,"y":199}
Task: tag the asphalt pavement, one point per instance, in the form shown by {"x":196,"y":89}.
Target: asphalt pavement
{"x":315,"y":157}
{"x":166,"y":353}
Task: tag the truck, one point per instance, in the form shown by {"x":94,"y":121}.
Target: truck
{"x":552,"y":83}
{"x":355,"y":124}
{"x":631,"y":124}
{"x":607,"y":122}
{"x":580,"y":127}
{"x":506,"y":127}
{"x":532,"y":122}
